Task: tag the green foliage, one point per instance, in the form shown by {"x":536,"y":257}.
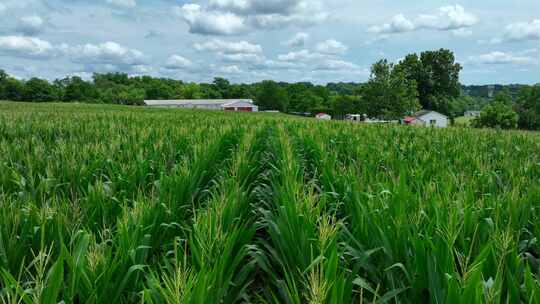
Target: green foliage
{"x":528,"y":108}
{"x":498,"y":114}
{"x":303,"y":98}
{"x":124,"y":95}
{"x":343,"y":105}
{"x":39,"y":90}
{"x":11,"y":89}
{"x":222,"y":86}
{"x":391,"y":94}
{"x":437,"y":77}
{"x":215,"y":207}
{"x":76,"y":89}
{"x":191,"y":91}
{"x":271,"y":96}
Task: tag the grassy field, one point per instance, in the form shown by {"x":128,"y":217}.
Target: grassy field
{"x":110,"y":204}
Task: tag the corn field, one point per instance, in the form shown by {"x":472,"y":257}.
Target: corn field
{"x":111,"y":204}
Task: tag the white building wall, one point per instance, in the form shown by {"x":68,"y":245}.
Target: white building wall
{"x":441,"y":121}
{"x":208,"y":106}
{"x":241,"y":104}
{"x":212,"y":104}
{"x":324,"y":117}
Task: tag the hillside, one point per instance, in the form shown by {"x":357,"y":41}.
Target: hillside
{"x":489,"y":91}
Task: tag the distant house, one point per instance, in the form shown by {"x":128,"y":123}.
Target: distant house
{"x":472,"y":114}
{"x":236,"y":105}
{"x":427,"y":118}
{"x":323,"y":116}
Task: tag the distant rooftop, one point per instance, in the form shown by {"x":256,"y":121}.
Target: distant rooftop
{"x":180,"y":102}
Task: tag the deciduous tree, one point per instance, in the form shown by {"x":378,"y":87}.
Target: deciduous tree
{"x":39,"y":90}
{"x":390,"y":93}
{"x":528,"y":107}
{"x":272,"y":97}
{"x":498,"y":114}
{"x":437,"y":77}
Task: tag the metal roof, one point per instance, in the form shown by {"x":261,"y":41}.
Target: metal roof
{"x":183,"y":102}
{"x":425,"y":112}
{"x":409,"y":119}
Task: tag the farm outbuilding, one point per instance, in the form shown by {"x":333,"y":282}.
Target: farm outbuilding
{"x":323,"y":116}
{"x":427,"y":118}
{"x":236,"y":105}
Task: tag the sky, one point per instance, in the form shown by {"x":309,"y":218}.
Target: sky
{"x":496,"y":41}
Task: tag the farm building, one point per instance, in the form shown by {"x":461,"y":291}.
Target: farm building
{"x":323,"y":116}
{"x":236,"y":105}
{"x":427,"y":118}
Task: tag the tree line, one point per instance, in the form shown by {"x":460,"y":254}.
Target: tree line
{"x":510,"y":112}
{"x":429,"y":80}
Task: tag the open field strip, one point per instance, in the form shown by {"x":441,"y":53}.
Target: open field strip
{"x":103,"y":204}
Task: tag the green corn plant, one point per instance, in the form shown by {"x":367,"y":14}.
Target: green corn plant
{"x":103,"y":203}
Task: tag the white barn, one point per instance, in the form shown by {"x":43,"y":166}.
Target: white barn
{"x":235,"y":105}
{"x":427,"y":118}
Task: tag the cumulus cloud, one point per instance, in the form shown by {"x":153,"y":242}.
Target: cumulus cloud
{"x":269,"y":65}
{"x":28,"y":47}
{"x":398,"y":24}
{"x":233,"y":17}
{"x":113,"y":68}
{"x":256,"y":6}
{"x":106,"y":53}
{"x":244,"y":58}
{"x":221,"y":46}
{"x":324,"y":58}
{"x":502,"y":58}
{"x":336,"y":64}
{"x":238,"y":52}
{"x":521,"y":31}
{"x":332,"y":47}
{"x":94,"y":57}
{"x":327,"y":50}
{"x":231,"y":5}
{"x":276,"y":21}
{"x":123,"y":3}
{"x":204,"y":22}
{"x":448,"y":18}
{"x":299,"y":40}
{"x":232,"y":69}
{"x":30,"y":25}
{"x":177,"y":62}
{"x":303,"y":55}
{"x":143,"y":69}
